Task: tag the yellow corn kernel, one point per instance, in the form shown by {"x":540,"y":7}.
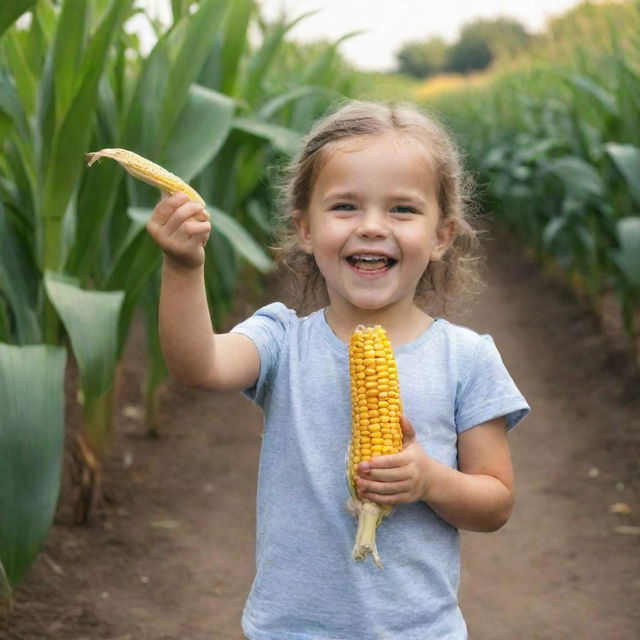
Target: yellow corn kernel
{"x":375,"y":418}
{"x":148,"y":171}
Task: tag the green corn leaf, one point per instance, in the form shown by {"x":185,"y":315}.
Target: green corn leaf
{"x":141,"y":119}
{"x":268,"y":110}
{"x":282,"y":138}
{"x":16,"y":51}
{"x":199,"y":133}
{"x":581,"y":180}
{"x":221,"y":274}
{"x":264,"y":57}
{"x":628,"y":256}
{"x":18,"y":129}
{"x":31,"y":451}
{"x":68,"y":53}
{"x":18,"y":278}
{"x":593,"y":90}
{"x":626,"y":158}
{"x":235,"y":41}
{"x":552,"y":229}
{"x":240,"y":239}
{"x":237,"y":236}
{"x":91,"y":321}
{"x":41,"y":34}
{"x":135,"y":262}
{"x":71,"y":137}
{"x":259,"y":214}
{"x":11,"y":106}
{"x":495,"y":158}
{"x":11,"y":10}
{"x":96,"y":200}
{"x":179,"y":8}
{"x":45,"y":111}
{"x":200,"y":29}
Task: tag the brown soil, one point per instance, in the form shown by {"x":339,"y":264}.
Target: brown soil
{"x":169,"y":555}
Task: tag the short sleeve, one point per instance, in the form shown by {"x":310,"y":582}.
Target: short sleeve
{"x":488,"y":391}
{"x":267,"y":328}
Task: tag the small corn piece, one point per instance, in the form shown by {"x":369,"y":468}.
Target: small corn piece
{"x":148,"y":171}
{"x":376,"y":430}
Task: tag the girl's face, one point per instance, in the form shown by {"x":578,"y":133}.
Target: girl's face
{"x":373,"y":223}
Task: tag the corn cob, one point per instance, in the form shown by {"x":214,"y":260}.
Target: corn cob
{"x":147,"y":171}
{"x":376,"y":431}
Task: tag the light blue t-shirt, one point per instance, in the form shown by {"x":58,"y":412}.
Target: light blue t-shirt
{"x":307,"y":586}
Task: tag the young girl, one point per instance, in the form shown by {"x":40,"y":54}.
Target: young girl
{"x":374,"y":224}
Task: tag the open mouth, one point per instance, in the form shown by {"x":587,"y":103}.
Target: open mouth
{"x":371,"y":262}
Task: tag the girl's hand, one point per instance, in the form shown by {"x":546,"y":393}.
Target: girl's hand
{"x":181,"y":228}
{"x":398,"y":477}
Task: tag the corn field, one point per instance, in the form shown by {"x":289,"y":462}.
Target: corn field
{"x":554,"y":142}
{"x":206,"y":102}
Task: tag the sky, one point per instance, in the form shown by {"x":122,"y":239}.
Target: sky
{"x":388,"y":24}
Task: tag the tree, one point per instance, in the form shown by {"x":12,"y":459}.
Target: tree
{"x":470,"y":53}
{"x":422,"y":59}
{"x":482,"y":41}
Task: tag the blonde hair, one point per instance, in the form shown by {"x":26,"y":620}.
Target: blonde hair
{"x":456,"y":273}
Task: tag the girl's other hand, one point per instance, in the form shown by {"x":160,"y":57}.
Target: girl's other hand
{"x":398,"y":477}
{"x":181,"y":228}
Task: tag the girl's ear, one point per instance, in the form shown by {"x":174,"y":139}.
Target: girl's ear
{"x":304,"y":232}
{"x":445,"y":235}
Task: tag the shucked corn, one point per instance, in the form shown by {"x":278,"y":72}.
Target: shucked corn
{"x":148,"y":171}
{"x":376,"y":430}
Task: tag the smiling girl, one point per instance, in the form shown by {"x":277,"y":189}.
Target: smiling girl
{"x":374,"y":230}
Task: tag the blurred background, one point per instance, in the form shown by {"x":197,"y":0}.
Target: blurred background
{"x":544,"y":100}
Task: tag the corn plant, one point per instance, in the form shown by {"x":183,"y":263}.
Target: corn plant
{"x":31,"y":444}
{"x":558,"y":149}
{"x":75,"y":261}
{"x":49,"y":82}
{"x":274,"y":102}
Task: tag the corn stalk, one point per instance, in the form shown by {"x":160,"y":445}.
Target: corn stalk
{"x":75,"y":261}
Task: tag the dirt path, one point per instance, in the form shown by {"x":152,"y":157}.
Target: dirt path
{"x":169,"y":557}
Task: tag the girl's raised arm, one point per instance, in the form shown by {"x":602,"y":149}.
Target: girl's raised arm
{"x":194,"y":354}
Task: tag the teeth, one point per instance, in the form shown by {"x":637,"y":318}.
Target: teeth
{"x":370,"y":261}
{"x":369,"y":258}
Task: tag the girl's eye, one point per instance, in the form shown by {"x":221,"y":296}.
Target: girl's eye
{"x":343,"y":206}
{"x":401,"y":208}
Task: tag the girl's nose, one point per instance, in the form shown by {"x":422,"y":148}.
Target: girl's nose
{"x":373,"y":224}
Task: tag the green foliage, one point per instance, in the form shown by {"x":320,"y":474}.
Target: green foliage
{"x":592,"y":19}
{"x":479,"y":44}
{"x":75,"y":260}
{"x":11,"y":10}
{"x":421,"y":59}
{"x":557,"y":147}
{"x":483,"y":41}
{"x":31,"y":447}
{"x":470,"y":53}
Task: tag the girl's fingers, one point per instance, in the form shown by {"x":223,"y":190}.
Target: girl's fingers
{"x":384,"y":475}
{"x":181,"y":215}
{"x":181,"y":228}
{"x":408,"y":432}
{"x":167,"y":206}
{"x":369,"y":489}
{"x":183,"y":242}
{"x":389,"y":461}
{"x":193,"y":227}
{"x":171,"y":212}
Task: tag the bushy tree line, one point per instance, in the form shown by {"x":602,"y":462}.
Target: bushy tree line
{"x":480,"y":42}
